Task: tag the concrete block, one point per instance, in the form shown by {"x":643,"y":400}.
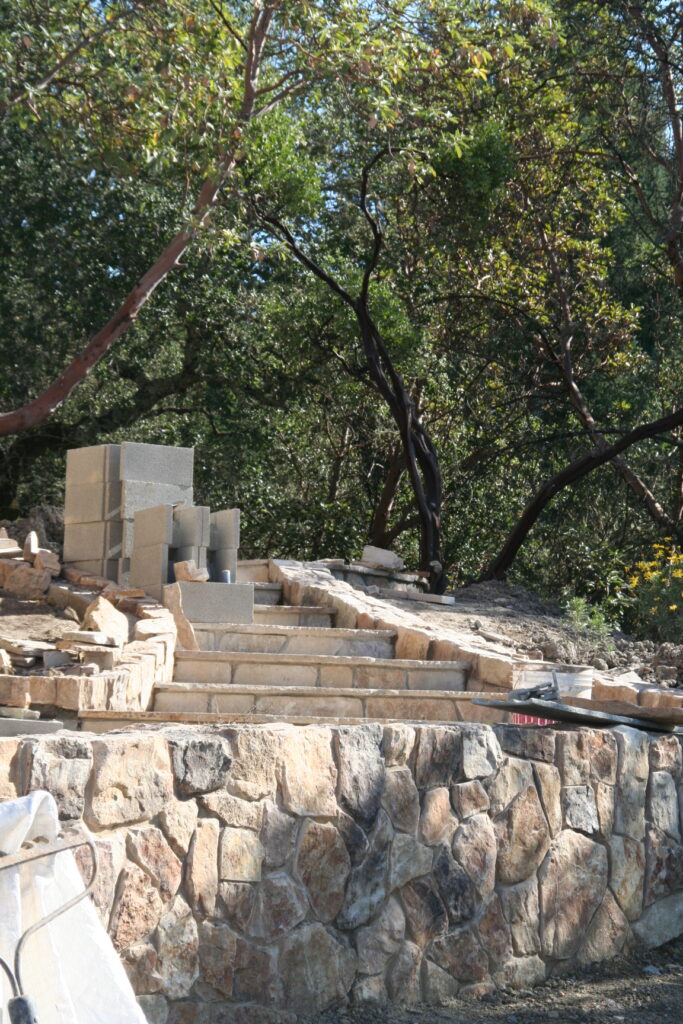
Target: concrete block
{"x":91,"y":503}
{"x":217,"y":602}
{"x":96,"y":464}
{"x":191,"y":526}
{"x":92,"y":541}
{"x":149,"y":566}
{"x":138,"y":494}
{"x":223,"y":559}
{"x":225,"y":529}
{"x":157,"y":463}
{"x":152,"y":526}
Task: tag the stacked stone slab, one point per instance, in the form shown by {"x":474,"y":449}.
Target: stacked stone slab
{"x":105,"y":486}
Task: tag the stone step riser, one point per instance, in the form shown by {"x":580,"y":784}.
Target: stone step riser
{"x":265,"y":593}
{"x":292,"y":615}
{"x":245,"y":643}
{"x":317,"y":672}
{"x":252,"y":572}
{"x":329,"y":705}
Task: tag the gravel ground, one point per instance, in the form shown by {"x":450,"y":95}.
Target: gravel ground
{"x":31,"y":620}
{"x":644,"y":988}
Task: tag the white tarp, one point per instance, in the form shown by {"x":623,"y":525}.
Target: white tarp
{"x":70,"y":968}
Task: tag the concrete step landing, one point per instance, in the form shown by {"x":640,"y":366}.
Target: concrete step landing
{"x":276,"y":639}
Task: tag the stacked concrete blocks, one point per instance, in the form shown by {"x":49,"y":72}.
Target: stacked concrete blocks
{"x":224,"y":543}
{"x":153,"y":534}
{"x":191,"y":534}
{"x":105,"y":486}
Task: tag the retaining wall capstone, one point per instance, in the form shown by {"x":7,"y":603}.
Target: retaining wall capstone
{"x":253,"y":873}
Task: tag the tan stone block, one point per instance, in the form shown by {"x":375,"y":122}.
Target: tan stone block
{"x":498,"y":670}
{"x":655,"y":697}
{"x":9,"y":749}
{"x":339,"y":676}
{"x":413,"y":643}
{"x":15,"y":691}
{"x":371,"y":677}
{"x":309,"y":775}
{"x":319,"y":707}
{"x":173,"y":600}
{"x":240,"y":856}
{"x":102,"y":617}
{"x":273,"y":674}
{"x":606,"y":689}
{"x":452,"y":680}
{"x":437,"y":820}
{"x":132,"y":779}
{"x":202,"y":867}
{"x":468,"y":711}
{"x":29,"y":583}
{"x":403,"y":708}
{"x":231,"y":703}
{"x":43,"y":689}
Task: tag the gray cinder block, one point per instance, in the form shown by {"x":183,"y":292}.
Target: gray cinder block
{"x":99,"y":463}
{"x":138,"y":494}
{"x":159,"y":463}
{"x":91,"y":503}
{"x":104,"y":567}
{"x":153,"y":526}
{"x":191,"y":526}
{"x":221,"y":560}
{"x":190,"y":551}
{"x":92,"y":541}
{"x":218,"y":602}
{"x":149,"y":566}
{"x":225,"y":529}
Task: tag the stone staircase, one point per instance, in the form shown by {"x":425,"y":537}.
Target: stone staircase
{"x":293,"y":663}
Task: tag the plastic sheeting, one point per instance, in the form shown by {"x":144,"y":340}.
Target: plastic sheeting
{"x":70,"y":969}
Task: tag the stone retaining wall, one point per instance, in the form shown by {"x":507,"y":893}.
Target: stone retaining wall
{"x":253,"y":872}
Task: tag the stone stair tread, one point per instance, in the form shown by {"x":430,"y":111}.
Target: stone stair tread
{"x":320,"y":691}
{"x":308,"y":609}
{"x":264,"y":628}
{"x":317,"y":659}
{"x":229,"y":718}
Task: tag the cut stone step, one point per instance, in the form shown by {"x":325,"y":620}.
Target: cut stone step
{"x":103,"y":721}
{"x":322,"y":702}
{"x":272,"y":639}
{"x":253,"y":571}
{"x":228,"y":668}
{"x":294,"y":615}
{"x":265,"y":593}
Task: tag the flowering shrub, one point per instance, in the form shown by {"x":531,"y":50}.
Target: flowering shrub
{"x":657,"y":589}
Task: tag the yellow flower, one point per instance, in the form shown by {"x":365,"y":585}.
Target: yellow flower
{"x":673,"y":607}
{"x":677,"y":574}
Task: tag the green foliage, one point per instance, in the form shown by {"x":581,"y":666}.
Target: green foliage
{"x":657,"y":594}
{"x":590,"y":619}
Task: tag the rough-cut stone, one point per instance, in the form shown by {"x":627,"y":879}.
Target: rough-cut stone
{"x":512,"y":778}
{"x":538,"y":744}
{"x":200,"y":764}
{"x":519,"y":904}
{"x":409,"y":859}
{"x":240,"y":856}
{"x":155,"y":1008}
{"x":660,"y":922}
{"x":604,"y":803}
{"x":9,"y":748}
{"x":439,"y":755}
{"x":401,"y":800}
{"x":173,"y":600}
{"x":140,"y":963}
{"x":102,"y":617}
{"x":316,"y":970}
{"x":475,"y":849}
{"x":202,"y":867}
{"x":62,"y":766}
{"x":520,"y":973}
{"x":469,"y":798}
{"x":177,"y":943}
{"x":460,"y":954}
{"x":366,"y":888}
{"x":607,"y":933}
{"x":279,"y":906}
{"x":370,"y":990}
{"x":579,"y":810}
{"x":663,"y":865}
{"x":572,"y":883}
{"x":255,"y":757}
{"x":137,"y":908}
{"x":147,"y":848}
{"x":233,"y":810}
{"x":256,"y":977}
{"x":131,"y":780}
{"x":397,"y":744}
{"x":662,"y":803}
{"x":355,"y":839}
{"x":481,"y":753}
{"x":178,"y":820}
{"x":437,"y":985}
{"x":361,"y":771}
{"x":378,"y":941}
{"x":425,"y":911}
{"x":585,"y":756}
{"x":523,"y":837}
{"x":494,"y":931}
{"x":632,"y":775}
{"x":403,"y":976}
{"x":455,"y":886}
{"x":437,"y":821}
{"x":666,"y":755}
{"x":627,"y":874}
{"x":309,"y":776}
{"x":323,"y":865}
{"x":549,"y":786}
{"x":28,"y":583}
{"x":237,"y":899}
{"x":278,"y":832}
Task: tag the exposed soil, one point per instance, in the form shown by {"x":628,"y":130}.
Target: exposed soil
{"x":510,"y":617}
{"x":644,"y":988}
{"x":31,"y":620}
